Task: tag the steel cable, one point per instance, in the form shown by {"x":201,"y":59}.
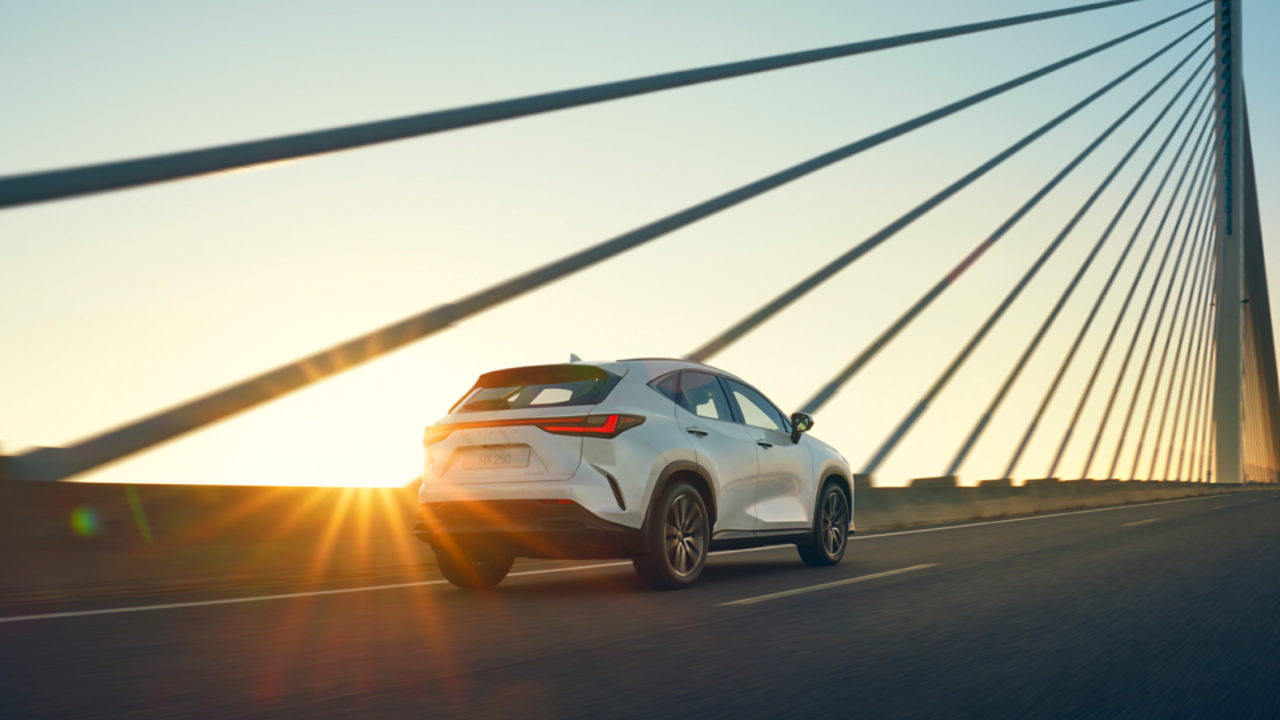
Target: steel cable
{"x":1197,"y":193}
{"x":1052,"y":390}
{"x":59,"y":463}
{"x":962,"y":453}
{"x":1198,"y":249}
{"x":1204,"y":426}
{"x":1194,"y":367}
{"x":1188,"y":313}
{"x":950,"y":278}
{"x":829,"y":390}
{"x":1102,"y":356}
{"x":1205,"y":361}
{"x":57,"y":184}
{"x":1182,"y":367}
{"x":802,"y":288}
{"x":1204,"y":348}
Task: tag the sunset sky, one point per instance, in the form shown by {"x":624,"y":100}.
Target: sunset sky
{"x":118,"y":305}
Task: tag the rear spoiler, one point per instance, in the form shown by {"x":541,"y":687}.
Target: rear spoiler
{"x":542,"y":375}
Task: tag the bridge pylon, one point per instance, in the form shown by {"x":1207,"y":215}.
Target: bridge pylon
{"x":1229,"y":360}
{"x":1246,"y":410}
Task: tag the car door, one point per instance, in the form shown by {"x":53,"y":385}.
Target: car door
{"x":785,"y":488}
{"x":723,"y":447}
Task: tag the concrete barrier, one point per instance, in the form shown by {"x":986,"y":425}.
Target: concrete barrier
{"x":891,"y":508}
{"x":82,"y":540}
{"x":944,"y":481}
{"x":88,"y":540}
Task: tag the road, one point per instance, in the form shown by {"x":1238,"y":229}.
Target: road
{"x":1163,"y":610}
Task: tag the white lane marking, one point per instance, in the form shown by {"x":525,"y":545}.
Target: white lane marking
{"x":824,"y":586}
{"x":1218,"y":508}
{"x":1137,"y":506}
{"x":1141,"y":522}
{"x":286,"y":596}
{"x":755,"y":549}
{"x":228,"y":601}
{"x":568,"y":569}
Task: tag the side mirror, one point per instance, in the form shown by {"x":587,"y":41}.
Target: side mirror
{"x":800,"y":423}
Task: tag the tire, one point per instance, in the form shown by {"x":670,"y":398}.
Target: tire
{"x":830,"y":528}
{"x":677,"y":539}
{"x":475,"y":571}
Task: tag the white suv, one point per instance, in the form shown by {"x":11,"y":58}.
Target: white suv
{"x":656,"y":460}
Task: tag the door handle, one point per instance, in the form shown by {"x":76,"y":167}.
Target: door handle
{"x":695,"y":430}
{"x":764,"y":444}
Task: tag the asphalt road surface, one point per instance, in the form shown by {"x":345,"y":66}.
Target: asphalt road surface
{"x":1165,"y":610}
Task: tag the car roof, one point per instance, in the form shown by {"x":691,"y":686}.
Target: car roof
{"x":652,"y":367}
{"x":656,"y":366}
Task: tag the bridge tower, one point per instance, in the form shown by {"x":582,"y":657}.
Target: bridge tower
{"x":1229,"y":376}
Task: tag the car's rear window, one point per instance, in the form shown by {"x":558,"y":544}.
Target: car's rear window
{"x":536,"y":387}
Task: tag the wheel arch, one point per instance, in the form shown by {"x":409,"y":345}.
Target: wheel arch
{"x":838,"y":476}
{"x":692,"y":473}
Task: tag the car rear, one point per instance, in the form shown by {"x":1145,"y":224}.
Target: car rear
{"x":505,"y":468}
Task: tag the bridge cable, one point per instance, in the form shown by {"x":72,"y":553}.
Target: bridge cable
{"x":57,"y":184}
{"x":1191,"y":330}
{"x":943,"y":379}
{"x":829,"y":390}
{"x":765,"y":312}
{"x":1205,"y":341}
{"x":1199,"y":243}
{"x":1203,"y":393}
{"x":1203,"y":151}
{"x":1034,"y":424}
{"x":1188,"y":313}
{"x":1198,"y":178}
{"x":1200,"y":443}
{"x":1190,"y":378}
{"x":1187,"y":202}
{"x":1201,"y":249}
{"x":1196,"y":205}
{"x":59,"y":463}
{"x":1191,"y":432}
{"x":1014,"y":373}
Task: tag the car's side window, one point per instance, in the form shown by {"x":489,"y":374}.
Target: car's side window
{"x":756,"y":410}
{"x":701,"y":394}
{"x":669,"y":386}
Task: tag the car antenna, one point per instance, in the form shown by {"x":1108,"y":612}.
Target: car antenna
{"x":574,"y":358}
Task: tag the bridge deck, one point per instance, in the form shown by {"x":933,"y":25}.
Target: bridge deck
{"x":1141,"y":611}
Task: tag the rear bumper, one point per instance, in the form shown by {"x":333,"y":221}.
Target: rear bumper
{"x":524,"y":528}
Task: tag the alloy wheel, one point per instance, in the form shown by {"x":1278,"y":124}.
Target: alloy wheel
{"x":684,"y":535}
{"x":835,"y":522}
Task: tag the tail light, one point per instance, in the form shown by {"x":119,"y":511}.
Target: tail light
{"x":436,"y":433}
{"x":605,"y":426}
{"x":601,"y":426}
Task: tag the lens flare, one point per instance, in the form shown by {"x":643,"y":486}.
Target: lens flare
{"x":84,"y":521}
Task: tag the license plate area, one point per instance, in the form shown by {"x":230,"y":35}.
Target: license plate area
{"x":496,"y":458}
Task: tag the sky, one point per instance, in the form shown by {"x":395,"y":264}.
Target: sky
{"x":118,"y":305}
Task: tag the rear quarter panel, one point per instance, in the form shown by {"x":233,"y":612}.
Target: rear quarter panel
{"x":638,"y":457}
